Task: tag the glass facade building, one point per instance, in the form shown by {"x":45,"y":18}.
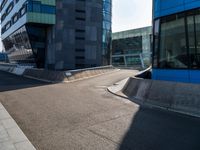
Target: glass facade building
{"x":129,"y":47}
{"x":176,"y":50}
{"x":4,"y":58}
{"x":57,"y":34}
{"x":107,"y":30}
{"x":24,"y":25}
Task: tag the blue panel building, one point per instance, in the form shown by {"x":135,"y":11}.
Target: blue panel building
{"x":176,"y":44}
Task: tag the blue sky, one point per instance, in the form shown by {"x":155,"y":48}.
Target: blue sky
{"x":130,"y":14}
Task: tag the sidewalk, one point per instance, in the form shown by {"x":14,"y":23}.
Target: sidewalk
{"x":11,"y":136}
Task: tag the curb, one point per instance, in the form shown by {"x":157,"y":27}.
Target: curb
{"x":70,"y":81}
{"x":90,"y":76}
{"x":12,"y":137}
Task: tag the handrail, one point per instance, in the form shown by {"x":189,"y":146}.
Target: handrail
{"x":85,"y":69}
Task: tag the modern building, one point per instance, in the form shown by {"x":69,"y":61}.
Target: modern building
{"x":3,"y":58}
{"x":176,"y":46}
{"x":57,"y":34}
{"x":132,"y":48}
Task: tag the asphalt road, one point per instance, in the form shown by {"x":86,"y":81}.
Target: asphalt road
{"x":83,"y":116}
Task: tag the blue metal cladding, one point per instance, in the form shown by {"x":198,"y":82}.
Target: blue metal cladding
{"x":168,"y":7}
{"x":171,"y":75}
{"x":187,"y":76}
{"x":162,"y":8}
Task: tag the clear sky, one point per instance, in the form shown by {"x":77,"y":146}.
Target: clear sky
{"x":130,"y":14}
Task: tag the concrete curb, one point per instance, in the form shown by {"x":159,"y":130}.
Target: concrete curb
{"x":117,"y":87}
{"x":88,"y":77}
{"x":11,"y":136}
{"x":176,"y":97}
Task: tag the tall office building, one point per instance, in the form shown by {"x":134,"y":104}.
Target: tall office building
{"x":176,"y":50}
{"x":57,"y":34}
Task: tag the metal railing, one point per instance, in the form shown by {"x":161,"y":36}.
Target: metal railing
{"x":144,"y":60}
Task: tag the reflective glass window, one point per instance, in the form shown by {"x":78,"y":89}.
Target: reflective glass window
{"x":178,"y":43}
{"x":3,"y":3}
{"x":15,"y":18}
{"x":156,"y":42}
{"x":196,"y":62}
{"x":10,"y":7}
{"x":3,"y":17}
{"x":173,"y":49}
{"x":48,"y":9}
{"x":8,"y":25}
{"x":36,"y":6}
{"x":191,"y":38}
{"x":23,"y":10}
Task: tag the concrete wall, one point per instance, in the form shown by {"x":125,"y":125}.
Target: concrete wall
{"x":55,"y":76}
{"x":180,"y":97}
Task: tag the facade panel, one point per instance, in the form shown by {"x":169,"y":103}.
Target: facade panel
{"x":168,"y":7}
{"x":176,"y":48}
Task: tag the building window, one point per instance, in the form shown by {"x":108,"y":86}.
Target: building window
{"x":3,"y":17}
{"x":8,"y":25}
{"x":3,"y":4}
{"x":177,"y":41}
{"x":48,"y":9}
{"x":156,"y":42}
{"x":80,"y":30}
{"x":10,"y":7}
{"x":80,"y":11}
{"x":36,"y":6}
{"x":23,"y":10}
{"x":80,"y":38}
{"x":79,"y":50}
{"x":15,"y":18}
{"x":80,"y":18}
{"x":80,"y":57}
{"x":194,"y":40}
{"x":197,"y":23}
{"x":173,"y":48}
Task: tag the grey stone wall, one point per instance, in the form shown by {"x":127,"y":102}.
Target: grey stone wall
{"x":75,"y":41}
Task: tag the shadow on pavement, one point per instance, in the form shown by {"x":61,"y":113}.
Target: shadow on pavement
{"x":161,"y":130}
{"x":9,"y":82}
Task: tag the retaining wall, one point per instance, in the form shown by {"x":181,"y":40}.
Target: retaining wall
{"x":86,"y":73}
{"x":55,"y":76}
{"x":180,"y":97}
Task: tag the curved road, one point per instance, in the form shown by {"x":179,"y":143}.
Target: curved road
{"x":83,"y":115}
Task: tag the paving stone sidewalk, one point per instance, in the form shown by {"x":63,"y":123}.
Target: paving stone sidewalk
{"x":11,"y":136}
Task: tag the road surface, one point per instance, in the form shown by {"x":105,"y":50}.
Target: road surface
{"x":82,"y":115}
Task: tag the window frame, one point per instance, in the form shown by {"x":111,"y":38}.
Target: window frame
{"x":156,"y":65}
